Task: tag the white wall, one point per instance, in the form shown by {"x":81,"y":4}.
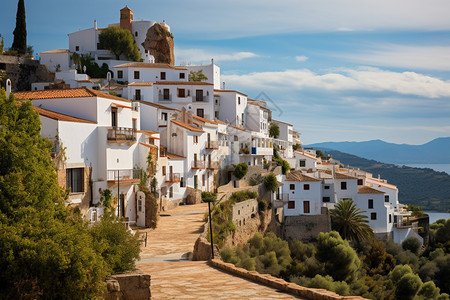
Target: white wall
{"x":299,"y":195}
{"x":84,"y":108}
{"x":52,"y":60}
{"x":86,"y":39}
{"x":211,"y":71}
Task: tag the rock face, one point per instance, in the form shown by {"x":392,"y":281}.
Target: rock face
{"x":132,"y":286}
{"x":159,"y":42}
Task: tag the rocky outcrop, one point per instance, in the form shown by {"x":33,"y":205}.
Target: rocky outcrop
{"x":159,"y":42}
{"x":135,"y":285}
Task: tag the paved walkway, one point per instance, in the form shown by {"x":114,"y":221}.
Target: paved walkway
{"x":174,"y":276}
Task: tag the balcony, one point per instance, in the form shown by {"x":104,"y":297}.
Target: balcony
{"x":198,"y":164}
{"x":126,"y":175}
{"x":201,"y":98}
{"x":172,"y":178}
{"x":213,"y":165}
{"x":138,"y":97}
{"x":162,"y":151}
{"x":262,"y":151}
{"x":163,"y":98}
{"x":280,"y":200}
{"x":212,"y":145}
{"x":121,"y":135}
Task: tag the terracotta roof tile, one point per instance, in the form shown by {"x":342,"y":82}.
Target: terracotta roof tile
{"x":149,"y":65}
{"x":306,"y":154}
{"x":56,"y":51}
{"x":174,"y":156}
{"x":158,"y":105}
{"x":148,"y":145}
{"x":65,"y":93}
{"x":220,"y":122}
{"x":276,"y":121}
{"x":187,"y":126}
{"x":204,"y":120}
{"x":298,"y":176}
{"x":230,"y":91}
{"x":141,"y":83}
{"x":59,"y":116}
{"x":368,"y":190}
{"x":235,"y":127}
{"x":259,"y":105}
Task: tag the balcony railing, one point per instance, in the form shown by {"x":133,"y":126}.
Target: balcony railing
{"x":138,"y":98}
{"x":120,"y":134}
{"x":162,"y":97}
{"x":124,"y":174}
{"x":174,"y":177}
{"x":198,"y":164}
{"x":213,"y":165}
{"x":162,"y":151}
{"x":212,"y":145}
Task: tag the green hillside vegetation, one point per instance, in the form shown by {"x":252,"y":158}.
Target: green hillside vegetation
{"x":418,"y":186}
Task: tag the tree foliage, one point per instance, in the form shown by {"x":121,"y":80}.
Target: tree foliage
{"x":274,"y":130}
{"x":2,"y":45}
{"x":349,"y":221}
{"x":92,"y":68}
{"x":120,"y":42}
{"x":240,"y":170}
{"x":20,"y":32}
{"x":209,"y":197}
{"x":47,"y":250}
{"x":271,"y":182}
{"x":412,"y":244}
{"x":197,"y":76}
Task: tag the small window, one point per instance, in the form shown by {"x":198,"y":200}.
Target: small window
{"x":306,"y":187}
{"x":181,"y":93}
{"x":182,"y":75}
{"x":204,"y":179}
{"x":166,"y":94}
{"x":136,"y":33}
{"x":74,"y":180}
{"x":136,"y":75}
{"x":292,"y":186}
{"x":373,"y":216}
{"x":325,"y":199}
{"x":182,"y":182}
{"x":360,"y":182}
{"x":390,"y":218}
{"x":120,"y":74}
{"x":195,"y":138}
{"x":164,"y":170}
{"x":302,"y":163}
{"x":343,"y":185}
{"x":291,"y":204}
{"x":327,"y":187}
{"x":239,"y":100}
{"x":163,"y":75}
{"x":386,"y":198}
{"x":139,"y":205}
{"x":306,"y":209}
{"x":171,"y":192}
{"x":200,"y":112}
{"x":370,"y":204}
{"x":164,"y":116}
{"x":134,"y":124}
{"x":77,"y":48}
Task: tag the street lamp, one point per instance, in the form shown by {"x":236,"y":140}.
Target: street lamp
{"x":210,"y":197}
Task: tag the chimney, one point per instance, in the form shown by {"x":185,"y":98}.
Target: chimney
{"x":8,"y":87}
{"x":95,"y":24}
{"x":212,"y":61}
{"x":223,"y":85}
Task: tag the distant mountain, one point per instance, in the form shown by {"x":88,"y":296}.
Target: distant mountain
{"x":424,"y":187}
{"x":436,"y":151}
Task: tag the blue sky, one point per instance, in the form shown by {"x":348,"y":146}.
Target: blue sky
{"x":348,"y":70}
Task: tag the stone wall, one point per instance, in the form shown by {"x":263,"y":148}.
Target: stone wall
{"x":306,"y":227}
{"x":280,"y":284}
{"x":193,"y":196}
{"x":244,"y":211}
{"x":128,"y":286}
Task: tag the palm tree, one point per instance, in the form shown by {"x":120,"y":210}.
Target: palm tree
{"x":349,"y":221}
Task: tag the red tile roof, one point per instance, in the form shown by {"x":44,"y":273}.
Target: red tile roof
{"x":149,"y":65}
{"x":276,"y":121}
{"x":298,"y":176}
{"x":66,"y":93}
{"x":182,"y":83}
{"x":174,"y":156}
{"x":230,"y":91}
{"x":368,"y":190}
{"x":187,"y":126}
{"x":59,"y":116}
{"x":204,"y":120}
{"x":141,"y":83}
{"x":240,"y":128}
{"x":158,"y":105}
{"x":56,"y":51}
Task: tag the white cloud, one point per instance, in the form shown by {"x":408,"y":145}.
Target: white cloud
{"x":365,"y":79}
{"x":301,"y":58}
{"x":411,"y":57}
{"x":202,"y":56}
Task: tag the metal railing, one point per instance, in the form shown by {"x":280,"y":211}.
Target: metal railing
{"x":198,"y":164}
{"x":123,"y":174}
{"x":212,"y":145}
{"x":121,"y":134}
{"x":162,"y":97}
{"x":174,"y":177}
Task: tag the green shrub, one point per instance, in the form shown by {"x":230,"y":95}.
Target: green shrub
{"x":412,"y":244}
{"x":240,"y":170}
{"x":209,"y":197}
{"x":271,"y":182}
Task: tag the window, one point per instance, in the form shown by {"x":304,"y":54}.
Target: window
{"x":182,"y":75}
{"x":77,"y":48}
{"x":181,"y":93}
{"x":134,"y":123}
{"x":137,"y":95}
{"x":327,"y":187}
{"x":343,"y":185}
{"x":195,"y":139}
{"x":373,"y":216}
{"x":136,"y":75}
{"x":198,"y":95}
{"x":200,"y":112}
{"x":74,"y":180}
{"x":306,"y":207}
{"x":139,"y":205}
{"x":114,"y":116}
{"x":120,"y":74}
{"x":302,"y":163}
{"x":182,"y":184}
{"x":360,"y":182}
{"x":291,"y":204}
{"x":216,"y":114}
{"x":242,"y":119}
{"x":171,"y":192}
{"x":163,"y":75}
{"x":386,"y":198}
{"x":370,"y":204}
{"x":136,"y":33}
{"x":204,"y":180}
{"x":325,"y":199}
{"x":306,"y":187}
{"x":292,"y":186}
{"x":164,"y":170}
{"x":166,"y":94}
{"x":239,"y":100}
{"x":164,"y":116}
{"x":390,"y":218}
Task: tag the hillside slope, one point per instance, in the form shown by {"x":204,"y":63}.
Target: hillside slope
{"x":436,"y":151}
{"x":424,"y":187}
